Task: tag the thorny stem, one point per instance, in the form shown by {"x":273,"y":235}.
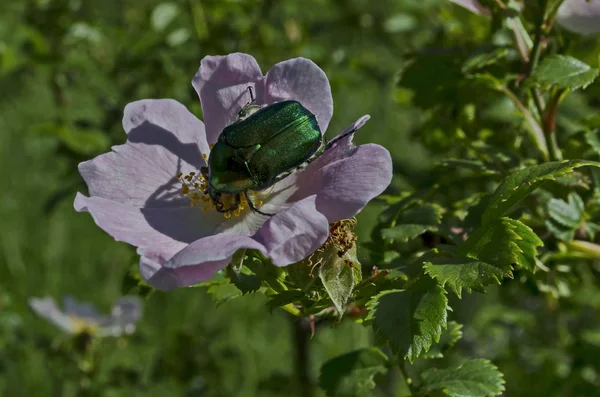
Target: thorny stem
{"x":550,"y":123}
{"x":535,"y":130}
{"x":543,"y":28}
{"x":302,"y":332}
{"x":547,"y":113}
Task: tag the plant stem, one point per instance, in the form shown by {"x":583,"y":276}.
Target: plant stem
{"x":550,"y":123}
{"x":535,"y":130}
{"x":547,"y":113}
{"x":536,"y":51}
{"x":302,"y":346}
{"x":401,"y":365}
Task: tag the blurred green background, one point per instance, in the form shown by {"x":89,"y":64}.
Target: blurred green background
{"x":67,"y":70}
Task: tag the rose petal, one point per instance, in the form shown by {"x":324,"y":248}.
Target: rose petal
{"x":472,"y":5}
{"x":213,"y":248}
{"x":154,"y":273}
{"x":171,"y":229}
{"x":293,"y":234}
{"x":302,"y":80}
{"x":346,"y":177}
{"x":580,"y":16}
{"x":351,"y":183}
{"x":164,"y":138}
{"x":196,"y":262}
{"x":308,"y":181}
{"x":221,"y":83}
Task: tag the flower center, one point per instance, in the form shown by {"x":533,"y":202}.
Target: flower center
{"x":341,"y":235}
{"x":194,"y":186}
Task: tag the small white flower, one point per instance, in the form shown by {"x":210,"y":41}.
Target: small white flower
{"x":78,"y":317}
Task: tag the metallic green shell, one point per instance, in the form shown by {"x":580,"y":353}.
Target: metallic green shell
{"x":252,"y":153}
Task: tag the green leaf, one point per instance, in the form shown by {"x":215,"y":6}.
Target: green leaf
{"x":449,"y":337}
{"x":284,"y":297}
{"x":569,"y":213}
{"x":162,"y":15}
{"x":481,"y":60}
{"x":503,"y":242}
{"x":519,"y":184}
{"x":563,"y":71}
{"x":485,"y":80}
{"x":472,"y":165}
{"x":463,"y":272}
{"x":414,"y":222}
{"x":246,"y":283}
{"x":337,"y":277}
{"x":560,"y":232}
{"x":240,"y":275}
{"x":486,"y":256}
{"x":352,"y":374}
{"x":410,"y":320}
{"x":401,"y":22}
{"x":223,"y":292}
{"x":474,"y":378}
{"x":593,"y":139}
{"x":264,"y":269}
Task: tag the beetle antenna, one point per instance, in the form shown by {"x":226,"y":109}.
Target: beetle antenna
{"x":251,"y":94}
{"x":338,"y":138}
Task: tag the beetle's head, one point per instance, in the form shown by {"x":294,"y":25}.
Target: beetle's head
{"x":248,"y":110}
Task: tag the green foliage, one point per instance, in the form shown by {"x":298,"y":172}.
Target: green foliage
{"x":593,"y":139}
{"x":464,"y":272}
{"x":569,"y":217}
{"x":448,"y":339}
{"x":520,"y":184}
{"x":567,"y":213}
{"x":241,"y":276}
{"x":486,"y":120}
{"x":474,"y":378}
{"x":564,"y":72}
{"x":487,"y":256}
{"x":413,"y":222}
{"x":351,"y":374}
{"x":337,"y":278}
{"x":503,"y":242}
{"x":410,"y":320}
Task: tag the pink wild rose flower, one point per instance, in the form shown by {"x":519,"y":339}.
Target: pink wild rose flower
{"x":148,"y":192}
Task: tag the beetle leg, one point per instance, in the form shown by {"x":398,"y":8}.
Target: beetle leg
{"x":204,"y":172}
{"x":251,"y":94}
{"x":253,"y":207}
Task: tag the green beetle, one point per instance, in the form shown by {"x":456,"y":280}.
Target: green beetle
{"x":262,"y":147}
